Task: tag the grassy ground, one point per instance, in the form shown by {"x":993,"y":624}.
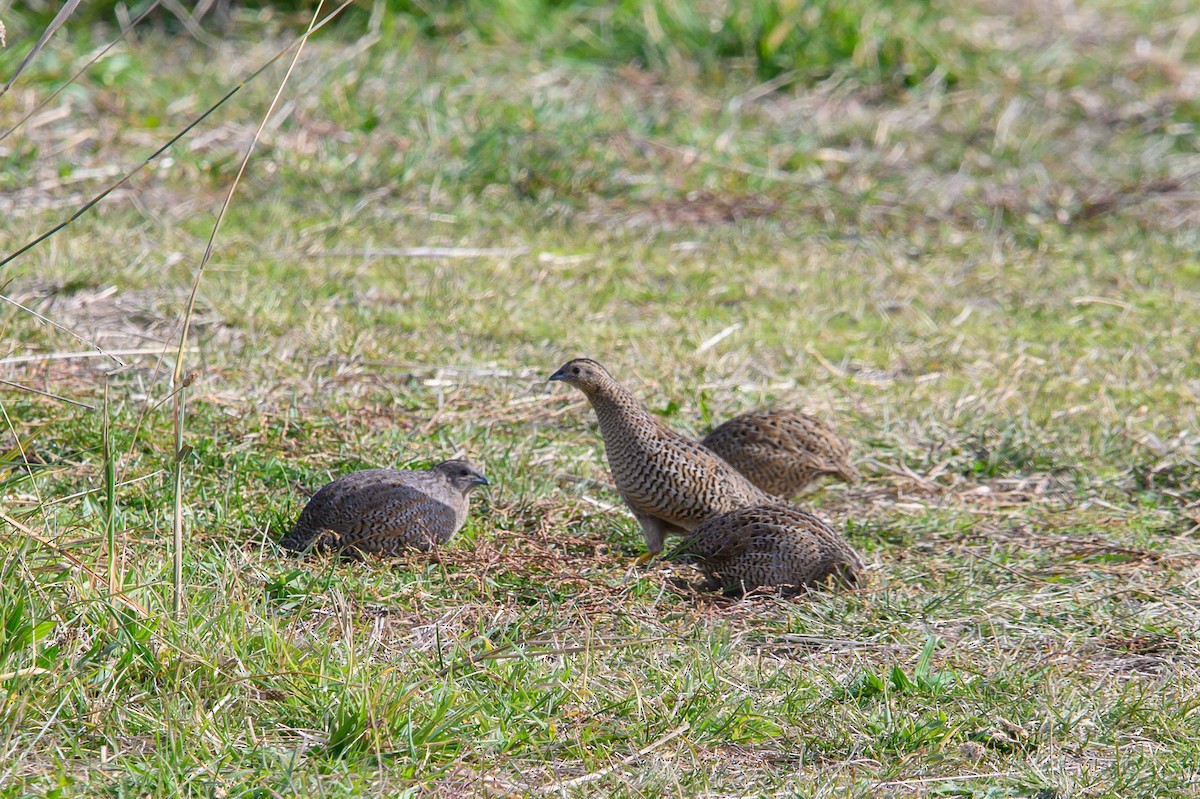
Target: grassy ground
{"x":987,"y":279}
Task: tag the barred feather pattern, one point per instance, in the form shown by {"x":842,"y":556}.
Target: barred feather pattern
{"x":671,"y":483}
{"x":383,"y":511}
{"x":783,"y":452}
{"x":776,"y":546}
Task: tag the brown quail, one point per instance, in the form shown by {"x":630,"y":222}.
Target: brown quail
{"x":782,"y":452}
{"x":382,"y":511}
{"x":671,"y":483}
{"x":777,"y":546}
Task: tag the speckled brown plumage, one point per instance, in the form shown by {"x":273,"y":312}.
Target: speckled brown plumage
{"x":383,"y":511}
{"x":671,"y":483}
{"x":782,"y":452}
{"x":770,"y":546}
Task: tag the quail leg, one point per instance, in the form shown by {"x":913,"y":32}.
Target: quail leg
{"x":655,"y":532}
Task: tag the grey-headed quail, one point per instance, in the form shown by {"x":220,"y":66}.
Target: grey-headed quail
{"x":382,"y":511}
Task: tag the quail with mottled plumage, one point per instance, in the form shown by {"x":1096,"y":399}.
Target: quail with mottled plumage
{"x":783,"y":452}
{"x":383,"y":511}
{"x":770,"y":546}
{"x":671,"y":483}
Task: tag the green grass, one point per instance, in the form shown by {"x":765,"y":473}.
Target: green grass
{"x":892,"y":46}
{"x":983,"y":275}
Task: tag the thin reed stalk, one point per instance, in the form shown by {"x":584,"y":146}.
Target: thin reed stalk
{"x":87,"y":206}
{"x":99,"y":54}
{"x":179,"y":382}
{"x":110,"y":495}
{"x":177,"y":480}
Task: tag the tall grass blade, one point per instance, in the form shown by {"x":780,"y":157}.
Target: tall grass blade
{"x":56,"y":325}
{"x":39,"y":392}
{"x":103,"y":51}
{"x":110,"y":495}
{"x":87,"y":206}
{"x":178,"y":379}
{"x":177,"y":481}
{"x":96,"y":579}
{"x":56,"y":23}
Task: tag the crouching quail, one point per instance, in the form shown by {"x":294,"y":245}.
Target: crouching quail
{"x":770,"y":546}
{"x":382,"y":511}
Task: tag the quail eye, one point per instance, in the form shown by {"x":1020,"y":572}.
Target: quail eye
{"x":575,"y":370}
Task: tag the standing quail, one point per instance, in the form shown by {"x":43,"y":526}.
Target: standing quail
{"x":671,"y":483}
{"x":383,"y":511}
{"x":777,"y":546}
{"x":782,"y":452}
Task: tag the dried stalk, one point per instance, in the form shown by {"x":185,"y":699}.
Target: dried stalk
{"x":178,"y":380}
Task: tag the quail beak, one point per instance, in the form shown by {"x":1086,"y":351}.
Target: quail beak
{"x":480,"y":480}
{"x":559,"y":375}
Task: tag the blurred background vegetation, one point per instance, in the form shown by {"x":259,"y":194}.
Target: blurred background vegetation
{"x":891,"y":44}
{"x":991,"y":89}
